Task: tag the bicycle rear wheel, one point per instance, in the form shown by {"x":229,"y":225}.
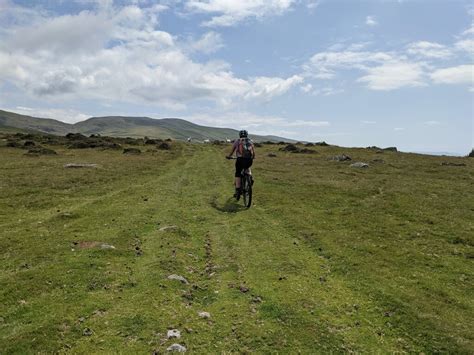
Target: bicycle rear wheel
{"x":247,"y":190}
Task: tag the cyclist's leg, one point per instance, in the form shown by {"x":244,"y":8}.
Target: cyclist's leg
{"x":248,"y":164}
{"x":238,"y":169}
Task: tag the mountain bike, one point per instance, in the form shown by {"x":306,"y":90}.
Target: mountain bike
{"x":246,"y":183}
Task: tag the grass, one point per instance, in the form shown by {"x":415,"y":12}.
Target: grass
{"x":335,"y":259}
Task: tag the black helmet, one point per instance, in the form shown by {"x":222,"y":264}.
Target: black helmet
{"x":243,"y":134}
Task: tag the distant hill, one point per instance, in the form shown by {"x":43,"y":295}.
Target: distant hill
{"x":119,"y":126}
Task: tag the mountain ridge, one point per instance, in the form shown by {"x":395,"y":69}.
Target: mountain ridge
{"x":127,"y":126}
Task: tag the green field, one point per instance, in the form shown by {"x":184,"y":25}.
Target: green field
{"x":328,"y":259}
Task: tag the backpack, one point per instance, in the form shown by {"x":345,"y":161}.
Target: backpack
{"x":245,"y":148}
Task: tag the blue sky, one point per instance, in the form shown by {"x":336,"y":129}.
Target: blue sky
{"x":352,"y":73}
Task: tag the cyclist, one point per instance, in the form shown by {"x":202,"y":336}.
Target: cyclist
{"x":245,"y":153}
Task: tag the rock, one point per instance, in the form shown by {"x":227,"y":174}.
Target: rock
{"x":309,"y":144}
{"x":107,"y":246}
{"x":75,"y":136}
{"x":471,"y":154}
{"x":173,"y":333}
{"x":257,"y":299}
{"x":152,"y":141}
{"x":168,"y":228}
{"x":341,"y":157}
{"x":34,"y":151}
{"x":29,"y":144}
{"x":289,"y":148}
{"x":132,"y":151}
{"x":322,"y":144}
{"x":272,"y":155}
{"x":450,"y":163}
{"x":87,"y":332}
{"x":74,"y":165}
{"x":391,"y":149}
{"x":359,"y":164}
{"x":163,"y":146}
{"x":244,"y":289}
{"x":179,"y":278}
{"x":205,"y":315}
{"x":177,"y":347}
{"x":14,"y":144}
{"x":305,"y":151}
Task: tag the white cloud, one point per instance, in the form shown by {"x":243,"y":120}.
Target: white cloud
{"x":322,"y":65}
{"x":210,"y":42}
{"x":328,"y":91}
{"x":429,"y":50}
{"x":465,"y":45}
{"x":231,"y":12}
{"x":119,"y":55}
{"x":469,"y":31}
{"x":368,"y":122}
{"x":306,"y":88}
{"x":64,"y":115}
{"x":399,"y":129}
{"x":313,"y":4}
{"x":265,"y":87}
{"x":432,"y":123}
{"x":462,"y":74}
{"x":260,"y":124}
{"x":371,"y":21}
{"x":394,"y":75}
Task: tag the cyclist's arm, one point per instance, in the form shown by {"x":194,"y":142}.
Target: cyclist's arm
{"x":253,"y":152}
{"x":232,"y":152}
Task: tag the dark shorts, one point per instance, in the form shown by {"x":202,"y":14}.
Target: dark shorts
{"x":242,"y":163}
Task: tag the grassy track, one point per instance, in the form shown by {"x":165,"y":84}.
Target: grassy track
{"x":329,"y":258}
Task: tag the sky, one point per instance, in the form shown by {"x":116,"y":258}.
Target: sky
{"x":348,"y":72}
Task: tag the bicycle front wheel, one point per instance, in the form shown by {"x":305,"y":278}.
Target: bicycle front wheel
{"x":247,"y":190}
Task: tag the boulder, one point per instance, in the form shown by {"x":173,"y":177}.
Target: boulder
{"x":341,"y":157}
{"x":471,"y":154}
{"x":74,"y":166}
{"x":322,"y":144}
{"x":164,"y":146}
{"x":132,"y":151}
{"x":305,"y":151}
{"x":178,"y":278}
{"x":359,"y":164}
{"x":38,"y":150}
{"x":173,"y":333}
{"x":289,"y":148}
{"x":75,"y":136}
{"x":450,"y":163}
{"x":176,"y":347}
{"x":205,"y":315}
{"x":13,"y":144}
{"x":391,"y":149}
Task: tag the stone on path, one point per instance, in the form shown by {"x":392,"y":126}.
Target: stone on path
{"x":168,"y":228}
{"x":177,"y":347}
{"x":178,"y":277}
{"x":107,"y":246}
{"x":74,"y":165}
{"x":341,"y":157}
{"x":173,"y":333}
{"x":205,"y":315}
{"x":359,"y":164}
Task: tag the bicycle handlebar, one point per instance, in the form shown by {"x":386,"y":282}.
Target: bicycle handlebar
{"x":234,"y":158}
